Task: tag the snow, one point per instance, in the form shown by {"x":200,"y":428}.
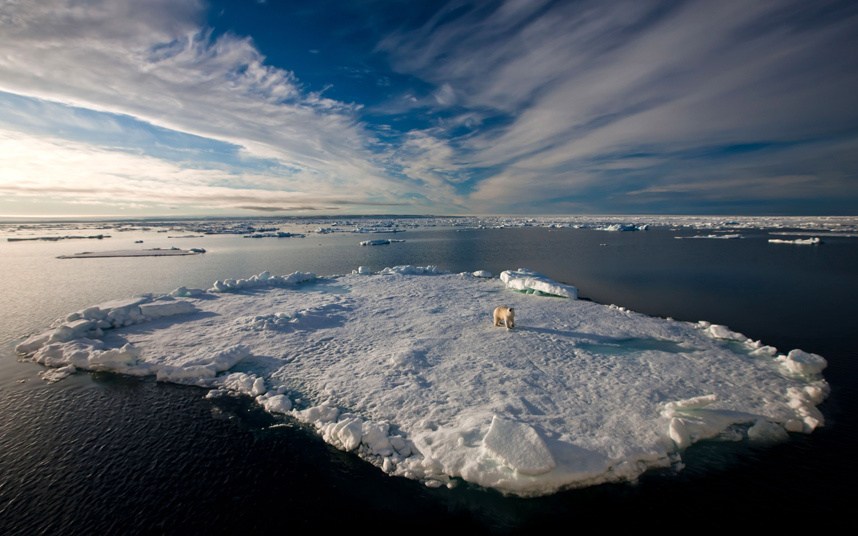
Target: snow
{"x":184,"y":292}
{"x":802,"y":363}
{"x":404,"y":369}
{"x":265,"y":279}
{"x":519,"y":446}
{"x":166,"y":308}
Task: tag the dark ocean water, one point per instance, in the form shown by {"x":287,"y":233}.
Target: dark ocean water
{"x":106,"y":454}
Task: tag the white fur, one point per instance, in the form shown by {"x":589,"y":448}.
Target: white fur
{"x":504,"y":314}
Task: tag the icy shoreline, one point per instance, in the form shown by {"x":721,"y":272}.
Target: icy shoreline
{"x":404,"y":368}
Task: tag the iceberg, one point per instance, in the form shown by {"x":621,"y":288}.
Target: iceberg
{"x":528,"y":281}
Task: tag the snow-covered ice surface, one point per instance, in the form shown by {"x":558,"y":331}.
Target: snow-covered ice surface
{"x":404,"y":368}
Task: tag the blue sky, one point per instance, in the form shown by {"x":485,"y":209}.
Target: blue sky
{"x":242,"y":107}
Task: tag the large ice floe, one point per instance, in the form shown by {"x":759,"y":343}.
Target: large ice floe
{"x":404,"y":368}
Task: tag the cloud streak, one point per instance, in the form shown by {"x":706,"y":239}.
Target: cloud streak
{"x":586,"y":84}
{"x":98,"y":176}
{"x":156,"y":62}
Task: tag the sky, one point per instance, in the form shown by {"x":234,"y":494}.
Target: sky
{"x":404,"y":369}
{"x":278,"y":108}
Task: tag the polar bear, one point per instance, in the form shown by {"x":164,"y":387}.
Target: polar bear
{"x":506,"y":315}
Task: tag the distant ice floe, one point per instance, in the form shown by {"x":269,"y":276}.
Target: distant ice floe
{"x":408,"y":269}
{"x":381,"y":242}
{"x":154,"y":252}
{"x":57,"y":238}
{"x":798,"y":241}
{"x":622,"y":227}
{"x":274,"y":234}
{"x":404,"y":368}
{"x":731,"y":236}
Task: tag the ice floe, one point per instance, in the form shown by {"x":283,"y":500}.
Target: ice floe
{"x":403,"y":368}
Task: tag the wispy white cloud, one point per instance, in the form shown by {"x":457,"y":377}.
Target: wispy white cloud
{"x":585,"y":84}
{"x":445,"y":96}
{"x":584,"y":105}
{"x":157,"y":62}
{"x":424,"y":158}
{"x":61,"y":171}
